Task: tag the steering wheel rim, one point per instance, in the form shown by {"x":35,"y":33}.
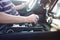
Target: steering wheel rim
{"x":30,"y":7}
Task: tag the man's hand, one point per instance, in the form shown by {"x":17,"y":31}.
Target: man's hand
{"x":33,"y":18}
{"x":21,"y":6}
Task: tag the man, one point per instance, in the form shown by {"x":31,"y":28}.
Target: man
{"x":8,"y":14}
{"x":6,"y":6}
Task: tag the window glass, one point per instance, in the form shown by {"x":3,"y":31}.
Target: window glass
{"x":56,"y":9}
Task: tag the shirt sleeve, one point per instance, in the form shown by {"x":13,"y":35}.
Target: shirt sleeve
{"x":1,"y":8}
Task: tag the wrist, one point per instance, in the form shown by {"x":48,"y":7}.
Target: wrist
{"x":24,"y":4}
{"x":26,"y":19}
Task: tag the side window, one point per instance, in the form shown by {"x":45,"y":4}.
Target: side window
{"x":56,"y":9}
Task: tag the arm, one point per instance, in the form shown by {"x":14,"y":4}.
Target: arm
{"x":19,"y":7}
{"x":6,"y":18}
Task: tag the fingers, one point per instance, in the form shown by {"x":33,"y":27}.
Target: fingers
{"x":33,"y":18}
{"x":36,"y":19}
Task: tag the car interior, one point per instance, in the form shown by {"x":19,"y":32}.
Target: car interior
{"x":30,"y":31}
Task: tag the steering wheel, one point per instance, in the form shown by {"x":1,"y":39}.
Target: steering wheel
{"x":32,"y":4}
